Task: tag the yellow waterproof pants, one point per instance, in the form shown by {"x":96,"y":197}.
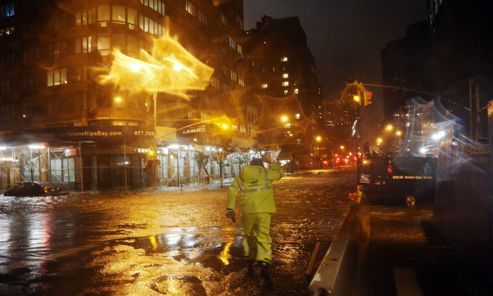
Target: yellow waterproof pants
{"x":256,"y":237}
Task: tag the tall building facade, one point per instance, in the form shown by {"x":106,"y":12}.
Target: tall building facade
{"x":406,"y":65}
{"x":280,"y":67}
{"x":68,"y":128}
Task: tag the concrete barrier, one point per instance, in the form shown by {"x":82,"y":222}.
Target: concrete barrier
{"x":339,"y":267}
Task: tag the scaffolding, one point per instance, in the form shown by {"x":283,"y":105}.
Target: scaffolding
{"x":57,"y":166}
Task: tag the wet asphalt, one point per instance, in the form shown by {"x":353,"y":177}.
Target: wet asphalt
{"x":162,"y":243}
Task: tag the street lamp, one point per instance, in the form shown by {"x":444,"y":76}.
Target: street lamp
{"x":318,"y":139}
{"x":379,"y":141}
{"x":342,"y":147}
{"x":389,"y":127}
{"x":284,"y":118}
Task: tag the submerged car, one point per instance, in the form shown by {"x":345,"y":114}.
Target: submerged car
{"x":33,"y":189}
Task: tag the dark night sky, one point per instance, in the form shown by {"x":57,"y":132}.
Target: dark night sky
{"x":345,"y":36}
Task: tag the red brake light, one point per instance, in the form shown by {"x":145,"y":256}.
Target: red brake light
{"x":389,"y":169}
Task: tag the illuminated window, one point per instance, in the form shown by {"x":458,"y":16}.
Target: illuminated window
{"x":149,"y":25}
{"x":224,"y":21}
{"x":232,"y":43}
{"x":83,"y":44}
{"x":239,"y":48}
{"x":264,"y":85}
{"x":285,"y":92}
{"x":233,"y":75}
{"x":296,"y":91}
{"x":56,"y":77}
{"x":285,"y":75}
{"x":189,"y":7}
{"x":284,"y":59}
{"x":241,"y":81}
{"x":7,"y":9}
{"x":156,"y":5}
{"x":131,"y":17}
{"x":103,"y":14}
{"x":118,"y":14}
{"x":285,"y":83}
{"x":7,"y":31}
{"x":104,"y":45}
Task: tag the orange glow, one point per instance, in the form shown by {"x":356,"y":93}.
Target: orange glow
{"x":168,"y":68}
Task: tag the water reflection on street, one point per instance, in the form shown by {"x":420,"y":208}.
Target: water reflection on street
{"x":171,"y":243}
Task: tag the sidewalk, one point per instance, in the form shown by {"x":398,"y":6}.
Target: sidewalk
{"x":161,"y":189}
{"x":405,"y":256}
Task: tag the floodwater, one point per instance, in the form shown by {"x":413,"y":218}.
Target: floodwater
{"x":162,"y":243}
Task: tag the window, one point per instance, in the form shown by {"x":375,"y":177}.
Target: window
{"x":239,"y":48}
{"x":285,"y":75}
{"x":285,"y":83}
{"x":203,"y":18}
{"x":232,"y":43}
{"x":215,"y":83}
{"x":296,"y":91}
{"x":7,"y":9}
{"x":189,"y":7}
{"x":284,"y":59}
{"x":285,"y":92}
{"x":156,"y":5}
{"x":241,"y":81}
{"x":103,"y":14}
{"x":149,"y":25}
{"x":223,"y":19}
{"x":84,"y":44}
{"x":6,"y":31}
{"x":233,"y":75}
{"x":104,"y":45}
{"x":131,"y":18}
{"x":56,"y":77}
{"x":118,"y":14}
{"x":264,"y":85}
{"x":85,"y":17}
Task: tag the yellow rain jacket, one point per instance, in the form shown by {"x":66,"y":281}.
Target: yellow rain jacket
{"x":254,"y":187}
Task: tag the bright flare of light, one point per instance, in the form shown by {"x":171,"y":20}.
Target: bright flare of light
{"x":379,"y":141}
{"x":389,"y":127}
{"x":318,"y":138}
{"x":225,"y":126}
{"x":438,"y":135}
{"x":36,"y":146}
{"x":398,"y":133}
{"x":342,"y":147}
{"x":356,"y":98}
{"x":168,"y":68}
{"x":118,"y":99}
{"x":423,"y":150}
{"x":284,"y":118}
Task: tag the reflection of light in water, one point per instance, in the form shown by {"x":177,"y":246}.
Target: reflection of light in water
{"x":154,"y":242}
{"x":39,"y":231}
{"x":190,"y":240}
{"x":225,"y":255}
{"x":172,"y":239}
{"x":5,"y":239}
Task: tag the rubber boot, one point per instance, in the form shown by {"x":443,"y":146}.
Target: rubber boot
{"x":250,"y":270}
{"x":264,"y":272}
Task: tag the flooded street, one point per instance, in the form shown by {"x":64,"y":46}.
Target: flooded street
{"x":167,"y":243}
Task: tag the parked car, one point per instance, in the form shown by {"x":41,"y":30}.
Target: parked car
{"x":33,"y":189}
{"x":400,"y":179}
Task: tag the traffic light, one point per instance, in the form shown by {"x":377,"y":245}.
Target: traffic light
{"x":368,"y":98}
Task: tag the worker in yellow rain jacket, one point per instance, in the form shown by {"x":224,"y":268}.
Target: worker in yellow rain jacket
{"x":254,"y":190}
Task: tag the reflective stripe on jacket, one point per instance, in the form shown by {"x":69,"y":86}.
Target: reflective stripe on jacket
{"x":254,"y":187}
